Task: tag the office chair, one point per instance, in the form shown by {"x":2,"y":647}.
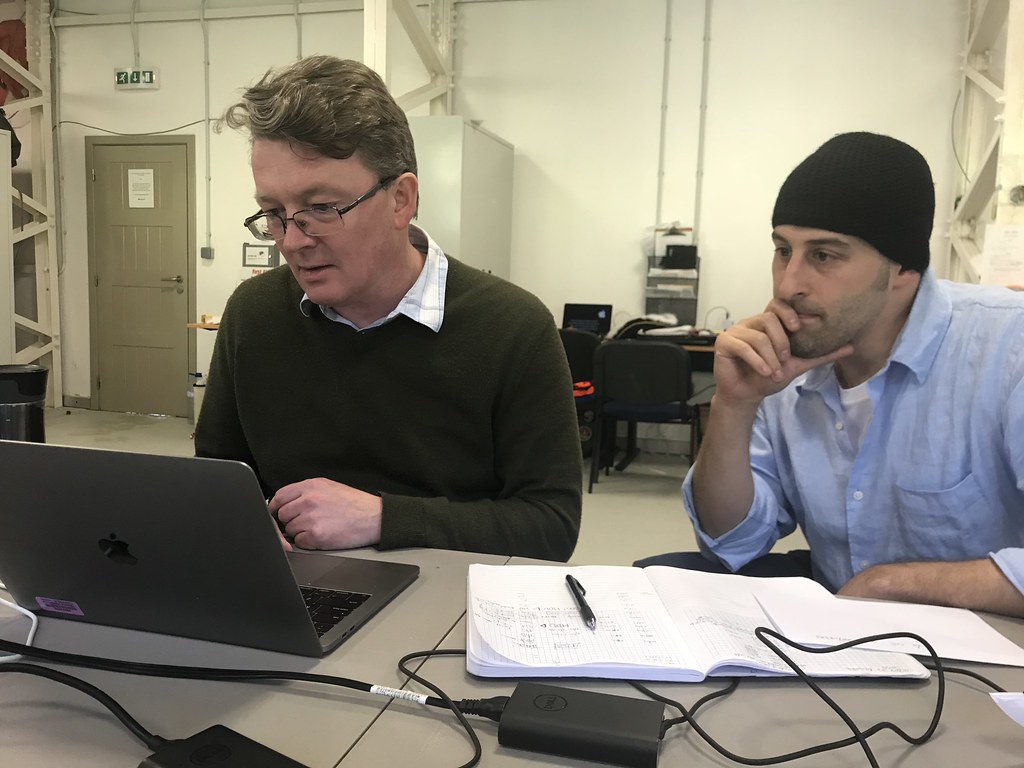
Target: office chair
{"x":579,"y":349}
{"x":641,"y":381}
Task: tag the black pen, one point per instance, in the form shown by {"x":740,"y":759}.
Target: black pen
{"x":578,"y":593}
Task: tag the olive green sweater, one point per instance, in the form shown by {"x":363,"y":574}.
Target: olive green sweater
{"x":469,"y":435}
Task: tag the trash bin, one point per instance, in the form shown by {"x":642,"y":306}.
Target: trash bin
{"x":22,"y":396}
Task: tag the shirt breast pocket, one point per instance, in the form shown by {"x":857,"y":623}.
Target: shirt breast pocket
{"x":954,"y":523}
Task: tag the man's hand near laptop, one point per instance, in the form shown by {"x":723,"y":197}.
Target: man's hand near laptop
{"x":324,"y":514}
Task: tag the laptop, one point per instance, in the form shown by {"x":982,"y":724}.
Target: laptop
{"x":176,"y":545}
{"x":594,"y":318}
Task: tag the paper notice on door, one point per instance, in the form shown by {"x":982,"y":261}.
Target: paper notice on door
{"x":140,"y":188}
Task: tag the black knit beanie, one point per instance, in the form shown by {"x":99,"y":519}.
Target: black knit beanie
{"x":870,"y":186}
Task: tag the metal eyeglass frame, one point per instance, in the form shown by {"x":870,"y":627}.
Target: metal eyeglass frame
{"x":250,"y":223}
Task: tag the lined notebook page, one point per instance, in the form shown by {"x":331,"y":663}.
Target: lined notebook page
{"x":529,"y":617}
{"x":723,"y":610}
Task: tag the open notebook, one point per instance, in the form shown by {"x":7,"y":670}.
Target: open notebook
{"x":654,"y":623}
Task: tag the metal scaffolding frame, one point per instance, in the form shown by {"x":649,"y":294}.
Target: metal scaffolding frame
{"x":432,"y":42}
{"x":31,"y":218}
{"x":989,"y":136}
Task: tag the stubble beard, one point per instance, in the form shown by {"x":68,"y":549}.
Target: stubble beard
{"x":841,"y":325}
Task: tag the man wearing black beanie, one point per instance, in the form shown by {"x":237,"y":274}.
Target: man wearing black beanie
{"x":877,"y":408}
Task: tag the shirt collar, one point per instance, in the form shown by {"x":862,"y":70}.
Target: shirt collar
{"x":422,"y":303}
{"x":918,"y":342}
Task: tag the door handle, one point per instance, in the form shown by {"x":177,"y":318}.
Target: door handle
{"x":175,"y":279}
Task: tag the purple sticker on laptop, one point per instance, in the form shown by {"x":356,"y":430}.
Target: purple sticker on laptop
{"x":59,"y":606}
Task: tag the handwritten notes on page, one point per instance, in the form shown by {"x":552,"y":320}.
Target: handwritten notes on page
{"x":652,"y":624}
{"x":523,"y":621}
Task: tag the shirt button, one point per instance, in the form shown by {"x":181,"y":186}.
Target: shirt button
{"x":839,"y":425}
{"x":857,"y":495}
{"x":864,"y":564}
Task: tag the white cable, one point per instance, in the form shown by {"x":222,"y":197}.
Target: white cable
{"x":31,"y":632}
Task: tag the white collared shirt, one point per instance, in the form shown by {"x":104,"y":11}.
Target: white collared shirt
{"x":423,"y":302}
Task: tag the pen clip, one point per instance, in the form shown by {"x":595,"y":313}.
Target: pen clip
{"x":574,"y":583}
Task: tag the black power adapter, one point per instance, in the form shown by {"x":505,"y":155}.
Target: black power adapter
{"x":582,"y":724}
{"x":217,"y":747}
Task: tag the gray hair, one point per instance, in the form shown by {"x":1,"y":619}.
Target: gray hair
{"x":335,"y":107}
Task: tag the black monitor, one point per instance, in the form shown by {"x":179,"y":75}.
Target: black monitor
{"x":595,"y":318}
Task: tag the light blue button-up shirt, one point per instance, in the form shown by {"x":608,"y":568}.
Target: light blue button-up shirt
{"x":940,"y":472}
{"x":423,"y":302}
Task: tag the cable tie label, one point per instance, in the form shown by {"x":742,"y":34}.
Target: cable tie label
{"x":398,"y":693}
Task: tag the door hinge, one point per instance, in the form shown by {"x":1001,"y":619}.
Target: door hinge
{"x":94,"y":174}
{"x":97,"y":383}
{"x":96,"y":280}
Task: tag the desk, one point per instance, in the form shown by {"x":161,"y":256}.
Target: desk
{"x":762,"y":718}
{"x":702,"y":357}
{"x":44,"y":724}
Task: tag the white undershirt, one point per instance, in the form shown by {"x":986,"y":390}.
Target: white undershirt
{"x":857,"y":412}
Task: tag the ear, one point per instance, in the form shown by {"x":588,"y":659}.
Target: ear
{"x":906,"y":278}
{"x":406,"y":196}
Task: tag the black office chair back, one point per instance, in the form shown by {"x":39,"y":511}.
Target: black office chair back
{"x":642,"y":373}
{"x":639,"y":381}
{"x":579,"y":349}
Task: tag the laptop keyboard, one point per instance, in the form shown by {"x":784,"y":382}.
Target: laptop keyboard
{"x":329,"y":606}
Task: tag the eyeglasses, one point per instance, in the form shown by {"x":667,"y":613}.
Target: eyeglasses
{"x":315,"y":221}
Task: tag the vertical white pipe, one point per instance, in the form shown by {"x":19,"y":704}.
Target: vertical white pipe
{"x":663,"y":132}
{"x":698,"y":192}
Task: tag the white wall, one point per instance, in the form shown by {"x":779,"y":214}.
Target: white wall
{"x":814,"y":68}
{"x":576,"y":86}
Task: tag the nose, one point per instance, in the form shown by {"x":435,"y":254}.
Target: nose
{"x":790,"y":278}
{"x":294,"y":238}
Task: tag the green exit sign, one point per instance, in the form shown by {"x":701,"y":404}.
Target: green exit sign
{"x":136,"y":78}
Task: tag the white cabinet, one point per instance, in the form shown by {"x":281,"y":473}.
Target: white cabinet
{"x":465,"y":178}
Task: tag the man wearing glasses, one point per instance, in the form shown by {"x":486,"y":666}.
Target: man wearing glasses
{"x":385,"y":394}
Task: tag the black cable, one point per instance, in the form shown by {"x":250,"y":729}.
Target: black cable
{"x":952,"y":134}
{"x":151,"y":740}
{"x":477,"y":749}
{"x":489,"y":708}
{"x":121,"y":133}
{"x":762,"y":633}
{"x":860,"y":737}
{"x":493,"y":707}
{"x":732,"y":686}
{"x":775,"y":760}
{"x":971,"y":673}
{"x":189,"y":673}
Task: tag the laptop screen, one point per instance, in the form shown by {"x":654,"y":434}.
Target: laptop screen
{"x":595,"y":318}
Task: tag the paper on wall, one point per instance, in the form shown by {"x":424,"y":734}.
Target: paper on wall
{"x":1003,"y":255}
